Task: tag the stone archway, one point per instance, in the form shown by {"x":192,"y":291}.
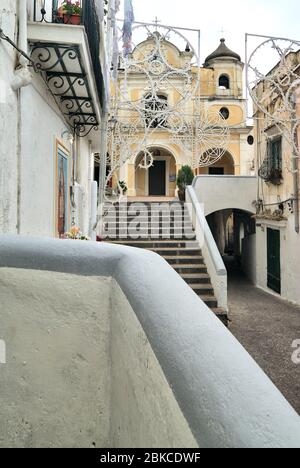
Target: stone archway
{"x":234,"y":231}
{"x":159,"y":180}
{"x":224,"y":166}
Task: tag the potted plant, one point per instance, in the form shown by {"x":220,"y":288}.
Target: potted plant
{"x":275,"y":176}
{"x":71,"y":12}
{"x":76,"y":234}
{"x":185,"y":178}
{"x":123,"y":189}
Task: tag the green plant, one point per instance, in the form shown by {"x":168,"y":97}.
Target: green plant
{"x":185,"y":177}
{"x":76,"y":234}
{"x":122,"y":186}
{"x":71,"y":8}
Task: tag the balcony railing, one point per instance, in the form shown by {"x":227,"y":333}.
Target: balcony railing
{"x":269,"y":173}
{"x":51,"y":11}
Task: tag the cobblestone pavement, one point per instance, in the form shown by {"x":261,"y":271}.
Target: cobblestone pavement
{"x":266,"y":326}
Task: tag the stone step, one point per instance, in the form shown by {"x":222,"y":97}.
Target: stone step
{"x":170,"y":251}
{"x":125,"y":229}
{"x":196,"y":278}
{"x":146,"y":203}
{"x":179,"y":259}
{"x":153,"y":244}
{"x":190,"y":269}
{"x":183,"y":255}
{"x":176,"y":244}
{"x":144,"y":207}
{"x":149,"y":224}
{"x":202,"y":289}
{"x":221,"y":314}
{"x":210,"y":301}
{"x":147,"y":220}
{"x":154,"y":238}
{"x":151,"y":231}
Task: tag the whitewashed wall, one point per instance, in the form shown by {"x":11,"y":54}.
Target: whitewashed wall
{"x":41,"y":127}
{"x":224,"y":192}
{"x":30,"y":127}
{"x":84,"y":171}
{"x":290,"y":266}
{"x":55,"y":387}
{"x":178,"y":377}
{"x":8,"y":123}
{"x":143,"y":406}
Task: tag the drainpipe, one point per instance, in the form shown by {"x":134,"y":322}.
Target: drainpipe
{"x":296,"y":170}
{"x":22,"y":78}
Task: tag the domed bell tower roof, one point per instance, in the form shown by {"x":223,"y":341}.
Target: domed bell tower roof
{"x":222,"y":52}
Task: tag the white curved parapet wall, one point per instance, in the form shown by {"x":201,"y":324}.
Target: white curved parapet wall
{"x":224,"y":192}
{"x":225,"y":399}
{"x":211,"y":254}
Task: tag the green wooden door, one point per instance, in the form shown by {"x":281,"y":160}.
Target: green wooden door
{"x":274,"y":268}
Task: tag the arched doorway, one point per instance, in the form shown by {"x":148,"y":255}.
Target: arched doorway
{"x":160,"y":179}
{"x":224,"y":166}
{"x":234,"y":231}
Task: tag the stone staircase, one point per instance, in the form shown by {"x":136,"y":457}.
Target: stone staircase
{"x":168,"y":233}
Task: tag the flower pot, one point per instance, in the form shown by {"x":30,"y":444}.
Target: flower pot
{"x":181,"y":195}
{"x":72,"y":19}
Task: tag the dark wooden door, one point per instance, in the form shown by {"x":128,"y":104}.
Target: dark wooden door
{"x":157,"y":179}
{"x":216,"y":171}
{"x":274,"y":264}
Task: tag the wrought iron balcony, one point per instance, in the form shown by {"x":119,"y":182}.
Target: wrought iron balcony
{"x":62,"y":64}
{"x":269,"y":173}
{"x":271,"y":168}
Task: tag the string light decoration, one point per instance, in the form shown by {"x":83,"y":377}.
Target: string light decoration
{"x":273,"y":82}
{"x":170,"y":103}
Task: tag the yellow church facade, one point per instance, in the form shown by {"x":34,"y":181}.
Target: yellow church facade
{"x":219,"y":90}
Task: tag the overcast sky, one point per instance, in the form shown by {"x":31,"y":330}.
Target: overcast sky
{"x":234,"y":17}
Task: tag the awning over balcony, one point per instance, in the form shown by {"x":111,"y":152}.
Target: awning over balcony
{"x":62,"y":68}
{"x":71,"y":58}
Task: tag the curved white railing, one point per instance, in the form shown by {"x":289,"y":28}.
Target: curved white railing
{"x":224,"y":396}
{"x":210,"y":251}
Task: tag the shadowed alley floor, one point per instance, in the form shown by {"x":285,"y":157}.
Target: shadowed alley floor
{"x":266,"y":326}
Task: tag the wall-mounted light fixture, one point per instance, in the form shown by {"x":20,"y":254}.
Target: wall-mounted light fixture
{"x":68,"y":136}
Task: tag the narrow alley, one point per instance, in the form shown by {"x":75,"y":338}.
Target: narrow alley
{"x":266,"y":326}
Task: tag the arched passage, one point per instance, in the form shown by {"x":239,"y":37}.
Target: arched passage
{"x":158,"y":180}
{"x":234,"y":231}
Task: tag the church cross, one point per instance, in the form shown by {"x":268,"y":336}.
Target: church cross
{"x":156,"y":21}
{"x":222,"y":32}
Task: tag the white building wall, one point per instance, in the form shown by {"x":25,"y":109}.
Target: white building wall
{"x":84,"y":183}
{"x":247,"y":156}
{"x":224,"y":192}
{"x":41,"y":128}
{"x":30,"y":127}
{"x":40,"y":137}
{"x":8,"y":123}
{"x":290,"y":266}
